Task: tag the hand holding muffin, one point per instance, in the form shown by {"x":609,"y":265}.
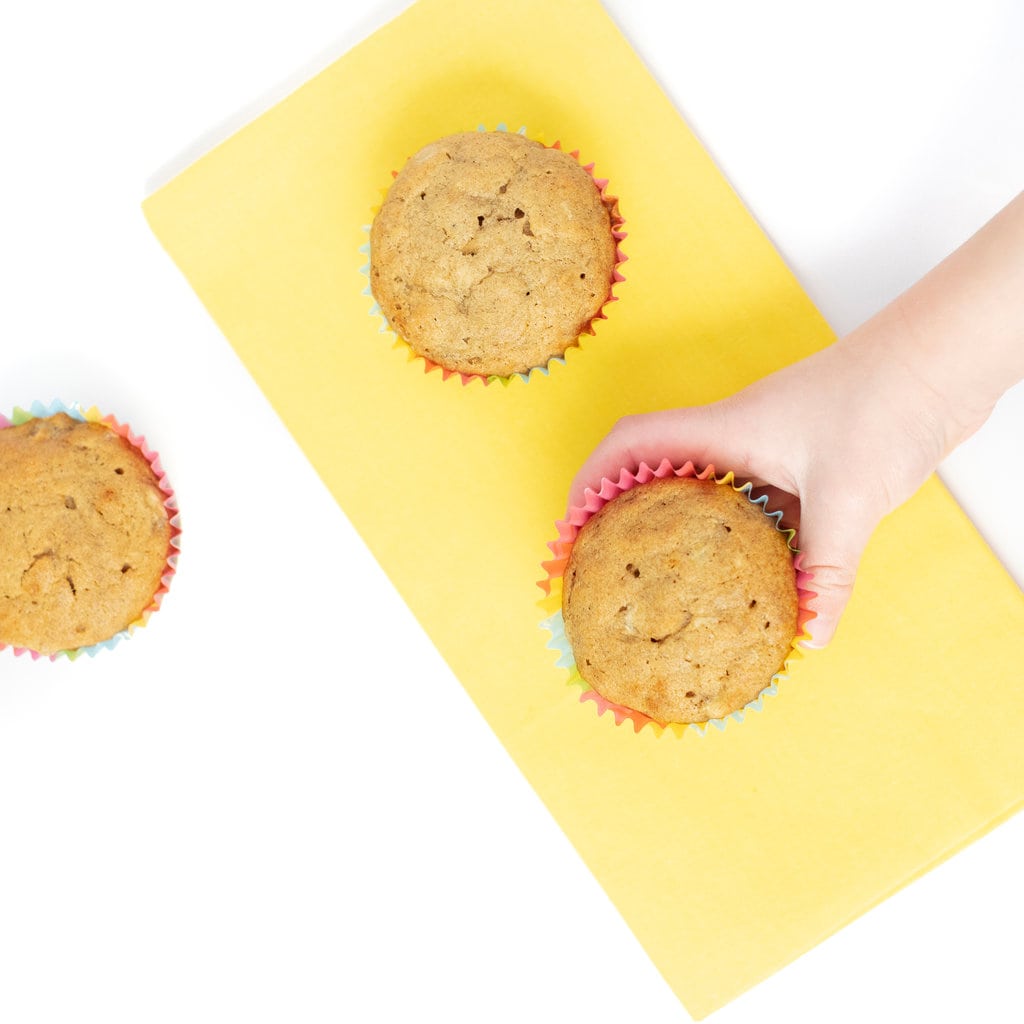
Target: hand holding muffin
{"x":845,"y":436}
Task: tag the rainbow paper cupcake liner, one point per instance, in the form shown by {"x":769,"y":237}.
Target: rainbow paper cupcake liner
{"x":610,"y":201}
{"x":569,"y":528}
{"x":92,"y":415}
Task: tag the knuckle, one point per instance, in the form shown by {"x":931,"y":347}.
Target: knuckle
{"x":832,"y":578}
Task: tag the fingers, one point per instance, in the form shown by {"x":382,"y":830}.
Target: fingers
{"x":832,"y":538}
{"x":834,"y":522}
{"x":700,"y":434}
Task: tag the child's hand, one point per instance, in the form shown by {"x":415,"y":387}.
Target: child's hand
{"x":844,"y":436}
{"x":837,"y":440}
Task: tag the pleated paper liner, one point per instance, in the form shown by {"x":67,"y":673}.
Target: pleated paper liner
{"x":92,"y":415}
{"x":611,"y":203}
{"x":569,"y":528}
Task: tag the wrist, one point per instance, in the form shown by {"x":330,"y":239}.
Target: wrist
{"x":939,"y":393}
{"x":946,"y":360}
{"x":960,"y":329}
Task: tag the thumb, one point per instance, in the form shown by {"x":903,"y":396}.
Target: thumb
{"x":832,"y":538}
{"x":697,"y":433}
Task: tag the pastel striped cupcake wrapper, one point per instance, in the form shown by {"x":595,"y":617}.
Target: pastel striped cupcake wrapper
{"x":92,"y":415}
{"x":617,"y":221}
{"x":569,"y":528}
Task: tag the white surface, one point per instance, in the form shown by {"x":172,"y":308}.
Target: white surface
{"x":202,"y":826}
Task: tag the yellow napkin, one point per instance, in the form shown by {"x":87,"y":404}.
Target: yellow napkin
{"x":728,"y":854}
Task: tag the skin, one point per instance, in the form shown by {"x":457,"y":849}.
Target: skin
{"x":879,"y":410}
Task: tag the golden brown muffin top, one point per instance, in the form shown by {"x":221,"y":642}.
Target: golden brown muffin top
{"x":491,"y":253}
{"x":680,"y":600}
{"x":84,"y":535}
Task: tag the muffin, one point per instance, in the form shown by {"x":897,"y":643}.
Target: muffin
{"x":491,"y":253}
{"x":680,"y":600}
{"x":84,"y":534}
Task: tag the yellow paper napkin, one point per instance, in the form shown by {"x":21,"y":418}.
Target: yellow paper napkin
{"x":728,"y":854}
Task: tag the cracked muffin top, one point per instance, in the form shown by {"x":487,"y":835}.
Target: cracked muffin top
{"x":84,"y":535}
{"x":680,"y":600}
{"x":491,"y":253}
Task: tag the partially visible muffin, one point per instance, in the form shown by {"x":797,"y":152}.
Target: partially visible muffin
{"x":84,"y":534}
{"x":680,"y":600}
{"x":491,"y":253}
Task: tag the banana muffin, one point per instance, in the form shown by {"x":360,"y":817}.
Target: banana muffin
{"x":84,"y":534}
{"x":491,"y":253}
{"x":680,"y":600}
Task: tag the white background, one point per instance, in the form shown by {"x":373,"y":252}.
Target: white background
{"x":221,"y":821}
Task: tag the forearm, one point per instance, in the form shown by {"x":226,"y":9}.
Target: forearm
{"x":958,"y":334}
